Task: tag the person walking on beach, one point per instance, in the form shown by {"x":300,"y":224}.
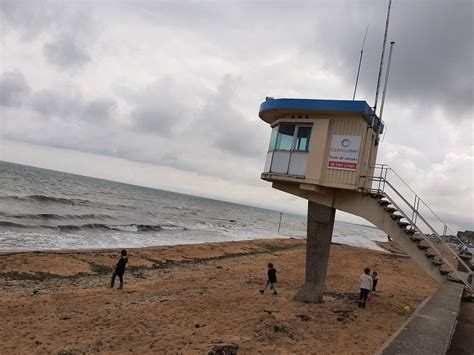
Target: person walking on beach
{"x":365,"y":287}
{"x":120,"y":269}
{"x":272,"y":279}
{"x":375,"y":279}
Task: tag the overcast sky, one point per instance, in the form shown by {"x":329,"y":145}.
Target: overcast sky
{"x":167,"y":94}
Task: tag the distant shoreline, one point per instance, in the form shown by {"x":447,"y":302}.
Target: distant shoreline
{"x":383,"y":245}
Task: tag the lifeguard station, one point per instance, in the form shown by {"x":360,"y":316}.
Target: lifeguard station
{"x":325,"y":151}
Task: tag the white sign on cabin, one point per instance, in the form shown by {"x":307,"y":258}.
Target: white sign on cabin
{"x":344,"y":152}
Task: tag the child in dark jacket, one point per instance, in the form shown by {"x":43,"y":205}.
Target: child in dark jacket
{"x":120,"y":269}
{"x":272,"y":279}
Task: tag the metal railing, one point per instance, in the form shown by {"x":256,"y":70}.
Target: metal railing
{"x":421,"y":218}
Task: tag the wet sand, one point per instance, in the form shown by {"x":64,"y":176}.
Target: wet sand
{"x":196,"y":298}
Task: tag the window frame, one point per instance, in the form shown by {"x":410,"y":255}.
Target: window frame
{"x":294,"y":139}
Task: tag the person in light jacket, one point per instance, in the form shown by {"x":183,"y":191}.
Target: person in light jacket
{"x":366,"y":284}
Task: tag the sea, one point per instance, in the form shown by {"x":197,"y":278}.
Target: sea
{"x":43,"y":209}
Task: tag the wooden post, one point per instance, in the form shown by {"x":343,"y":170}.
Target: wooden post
{"x":279,"y":224}
{"x":318,"y":243}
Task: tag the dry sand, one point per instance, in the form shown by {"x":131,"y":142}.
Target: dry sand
{"x":195,"y":298}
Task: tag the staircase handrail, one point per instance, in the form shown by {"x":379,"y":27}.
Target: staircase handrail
{"x":424,"y":220}
{"x":419,"y":215}
{"x":388,"y":167}
{"x":425,"y":237}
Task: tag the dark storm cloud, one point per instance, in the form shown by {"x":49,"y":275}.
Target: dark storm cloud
{"x":432,"y":62}
{"x":13,"y":89}
{"x":436,"y":55}
{"x":65,"y":51}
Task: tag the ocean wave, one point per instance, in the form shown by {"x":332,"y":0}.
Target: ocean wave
{"x":111,"y":227}
{"x":52,"y":216}
{"x":99,"y":226}
{"x":72,"y":222}
{"x":47,"y":199}
{"x":173,"y":226}
{"x":11,"y":224}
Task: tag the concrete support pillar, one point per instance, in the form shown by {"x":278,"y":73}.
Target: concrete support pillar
{"x":318,"y":244}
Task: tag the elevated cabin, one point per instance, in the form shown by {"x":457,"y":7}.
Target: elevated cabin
{"x":329,"y":143}
{"x":324,"y":151}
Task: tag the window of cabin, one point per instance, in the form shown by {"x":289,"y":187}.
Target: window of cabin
{"x":302,"y":138}
{"x":273,"y":139}
{"x":290,"y":137}
{"x":285,"y":137}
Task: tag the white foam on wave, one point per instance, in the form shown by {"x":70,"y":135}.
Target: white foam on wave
{"x":127,"y":237}
{"x":358,"y":236}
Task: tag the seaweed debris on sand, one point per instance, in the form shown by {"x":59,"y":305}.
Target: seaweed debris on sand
{"x":200,"y":299}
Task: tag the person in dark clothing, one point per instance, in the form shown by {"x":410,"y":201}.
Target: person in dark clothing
{"x":120,"y":269}
{"x":272,"y":279}
{"x":375,"y":279}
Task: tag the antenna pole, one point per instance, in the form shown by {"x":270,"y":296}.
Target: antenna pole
{"x":360,"y":62}
{"x":383,"y":52}
{"x":386,"y":79}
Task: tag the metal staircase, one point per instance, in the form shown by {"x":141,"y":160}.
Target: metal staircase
{"x":384,"y":201}
{"x":419,"y":222}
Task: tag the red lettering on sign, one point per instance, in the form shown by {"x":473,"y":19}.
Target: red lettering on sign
{"x":338,"y":164}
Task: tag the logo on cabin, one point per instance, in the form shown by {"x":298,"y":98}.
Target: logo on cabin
{"x":346,"y":143}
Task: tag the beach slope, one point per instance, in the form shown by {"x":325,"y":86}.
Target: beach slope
{"x":200,"y":298}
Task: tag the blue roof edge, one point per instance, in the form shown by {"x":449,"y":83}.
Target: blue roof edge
{"x":320,"y":105}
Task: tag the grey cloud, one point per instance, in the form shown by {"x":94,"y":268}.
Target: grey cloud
{"x":50,"y":103}
{"x":227,"y":128}
{"x":13,"y":89}
{"x":70,"y":31}
{"x":156,"y":118}
{"x":160,"y":107}
{"x":66,"y":52}
{"x":29,"y":18}
{"x":459,"y":222}
{"x":186,"y":135}
{"x":218,"y":140}
{"x":72,"y":107}
{"x":433,"y":55}
{"x":436,"y":49}
{"x":433,"y":49}
{"x":99,"y":110}
{"x":241,"y":141}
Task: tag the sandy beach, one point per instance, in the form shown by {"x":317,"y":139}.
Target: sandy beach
{"x":200,"y":298}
